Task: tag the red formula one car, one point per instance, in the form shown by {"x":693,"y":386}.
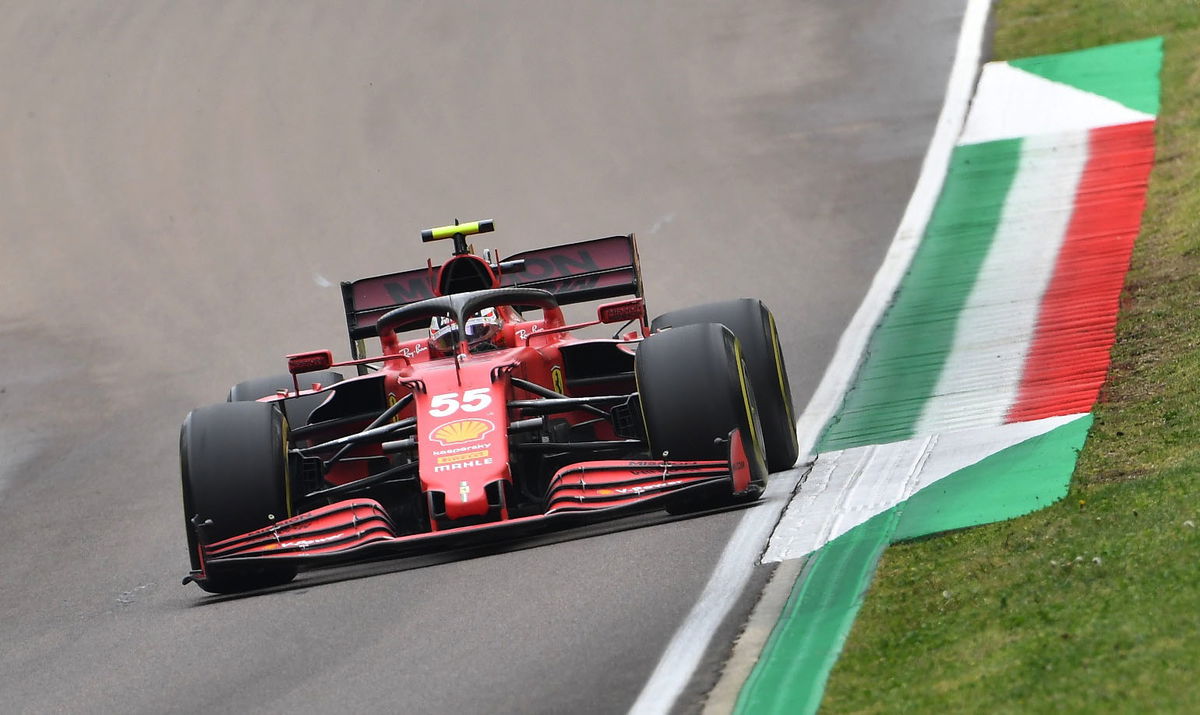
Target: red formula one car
{"x":484,"y":412}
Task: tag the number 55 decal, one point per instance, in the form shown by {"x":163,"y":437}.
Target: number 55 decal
{"x":451,"y":402}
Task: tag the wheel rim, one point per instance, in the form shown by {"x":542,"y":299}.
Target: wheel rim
{"x":783,"y":385}
{"x":751,"y":410}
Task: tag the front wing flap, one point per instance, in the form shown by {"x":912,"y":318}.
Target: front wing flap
{"x":588,"y":486}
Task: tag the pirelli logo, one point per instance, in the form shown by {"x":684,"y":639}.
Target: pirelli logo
{"x":450,"y":459}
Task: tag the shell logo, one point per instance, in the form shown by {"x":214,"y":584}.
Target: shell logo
{"x":461,"y":431}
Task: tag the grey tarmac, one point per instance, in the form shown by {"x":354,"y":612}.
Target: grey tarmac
{"x":185,"y":182}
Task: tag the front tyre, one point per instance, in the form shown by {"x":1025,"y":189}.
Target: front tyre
{"x":754,"y":325}
{"x":233,"y":459}
{"x":694,"y":391}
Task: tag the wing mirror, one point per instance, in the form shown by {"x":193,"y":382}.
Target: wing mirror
{"x":622,"y":311}
{"x":310,"y":361}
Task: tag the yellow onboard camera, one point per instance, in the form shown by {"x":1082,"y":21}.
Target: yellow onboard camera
{"x":458,"y":232}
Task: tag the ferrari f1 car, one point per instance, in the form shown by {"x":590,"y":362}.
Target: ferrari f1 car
{"x":483,"y":412}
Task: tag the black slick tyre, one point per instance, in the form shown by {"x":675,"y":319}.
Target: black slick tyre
{"x":233,"y":460}
{"x":754,"y":326}
{"x":299,"y":409}
{"x":694,"y":391}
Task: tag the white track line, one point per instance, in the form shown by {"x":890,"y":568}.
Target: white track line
{"x":729,"y":577}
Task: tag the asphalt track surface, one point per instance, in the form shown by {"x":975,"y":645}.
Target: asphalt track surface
{"x":183,"y":184}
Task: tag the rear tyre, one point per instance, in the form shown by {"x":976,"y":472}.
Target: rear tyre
{"x":233,"y":458}
{"x":694,"y":392}
{"x":754,"y":326}
{"x":299,"y":409}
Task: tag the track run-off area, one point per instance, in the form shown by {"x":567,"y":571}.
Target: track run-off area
{"x":185,"y":183}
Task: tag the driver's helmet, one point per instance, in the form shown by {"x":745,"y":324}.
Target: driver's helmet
{"x":481,"y":333}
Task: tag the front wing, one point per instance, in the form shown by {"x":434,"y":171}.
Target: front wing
{"x":581,"y":493}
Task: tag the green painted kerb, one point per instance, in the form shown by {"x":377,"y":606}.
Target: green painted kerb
{"x":1125,"y":73}
{"x":1010,"y":483}
{"x":798,"y":657}
{"x":909,"y":348}
{"x":791,"y":672}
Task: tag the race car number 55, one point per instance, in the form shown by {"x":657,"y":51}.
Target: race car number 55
{"x":451,"y":402}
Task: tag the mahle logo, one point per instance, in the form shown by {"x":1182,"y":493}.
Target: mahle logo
{"x":461,"y":431}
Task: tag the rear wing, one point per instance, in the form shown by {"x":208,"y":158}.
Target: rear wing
{"x":575,"y":273}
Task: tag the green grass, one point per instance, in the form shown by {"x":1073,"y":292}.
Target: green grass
{"x":1092,"y":605}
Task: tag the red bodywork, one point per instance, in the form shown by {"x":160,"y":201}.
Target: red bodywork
{"x":463,"y":416}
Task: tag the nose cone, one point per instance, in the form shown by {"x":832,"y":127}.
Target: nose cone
{"x":463,"y":458}
{"x":463,"y":431}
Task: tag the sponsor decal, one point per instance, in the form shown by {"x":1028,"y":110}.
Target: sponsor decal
{"x":451,"y":402}
{"x":650,"y":487}
{"x":523,"y":333}
{"x":392,"y":400}
{"x":416,"y":288}
{"x":305,"y":543}
{"x":556,"y":379}
{"x":450,"y":459}
{"x":625,"y":491}
{"x":464,"y":489}
{"x":462,"y":431}
{"x":560,"y":264}
{"x":414,"y":351}
{"x":463,"y":448}
{"x":465,"y":464}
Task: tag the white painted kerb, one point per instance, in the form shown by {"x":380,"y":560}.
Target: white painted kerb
{"x":883,"y":475}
